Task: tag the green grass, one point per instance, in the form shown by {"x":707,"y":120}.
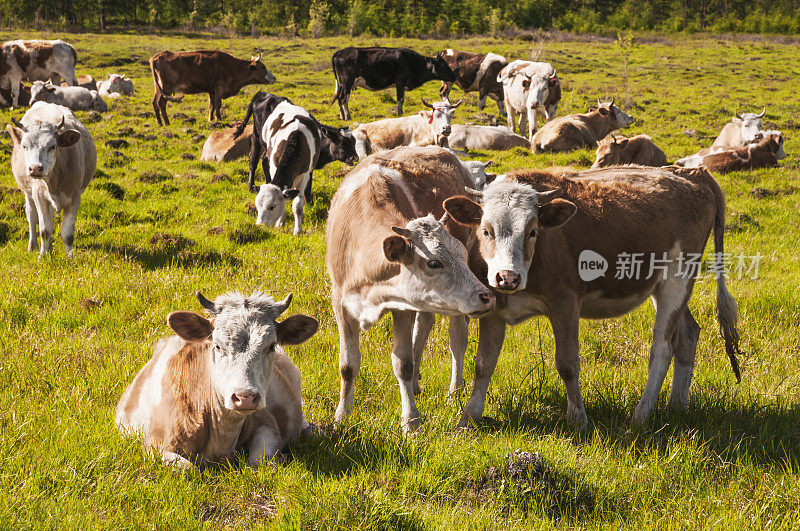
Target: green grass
{"x":154,"y":228}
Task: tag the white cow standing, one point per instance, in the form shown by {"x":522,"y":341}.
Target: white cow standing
{"x":529,"y":88}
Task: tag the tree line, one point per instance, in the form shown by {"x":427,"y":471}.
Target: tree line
{"x":408,"y":17}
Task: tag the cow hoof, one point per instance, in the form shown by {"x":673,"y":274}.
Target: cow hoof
{"x":411,"y":426}
{"x":578,"y":418}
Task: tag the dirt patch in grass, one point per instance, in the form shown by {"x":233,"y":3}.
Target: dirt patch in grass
{"x":740,"y":222}
{"x":259,"y":506}
{"x":763,"y":193}
{"x":154,"y":176}
{"x":88,"y":303}
{"x":520,"y":469}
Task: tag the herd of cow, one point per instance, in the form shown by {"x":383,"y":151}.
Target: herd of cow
{"x":412,"y":230}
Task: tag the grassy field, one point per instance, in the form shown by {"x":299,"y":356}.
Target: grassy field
{"x":156,"y":225}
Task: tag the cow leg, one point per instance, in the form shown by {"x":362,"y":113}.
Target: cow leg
{"x":491,"y":334}
{"x":531,"y":123}
{"x":346,"y":105}
{"x":423,"y":323}
{"x":212,"y":98}
{"x":157,"y":107}
{"x":684,"y":349}
{"x":298,"y":204}
{"x":68,"y":225}
{"x":521,"y":123}
{"x":33,"y":221}
{"x":401,"y":97}
{"x":218,"y":106}
{"x":459,"y":336}
{"x":175,"y":460}
{"x":264,"y":444}
{"x":162,"y":104}
{"x":551,"y":112}
{"x":500,"y":104}
{"x":46,"y":214}
{"x":511,"y":116}
{"x":255,"y":156}
{"x":308,"y":187}
{"x":15,"y":92}
{"x":349,"y":355}
{"x":403,"y":365}
{"x":568,"y":364}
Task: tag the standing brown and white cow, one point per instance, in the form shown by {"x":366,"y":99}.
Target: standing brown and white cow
{"x":216,"y":73}
{"x":547,"y":241}
{"x":386,"y":252}
{"x":220,"y":384}
{"x":53,"y":160}
{"x":35,"y":60}
{"x":575,"y":131}
{"x":475,"y":72}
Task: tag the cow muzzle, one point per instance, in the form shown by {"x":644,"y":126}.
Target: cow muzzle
{"x":245,"y":401}
{"x":487,"y":301}
{"x":36,"y":170}
{"x":508,"y":281}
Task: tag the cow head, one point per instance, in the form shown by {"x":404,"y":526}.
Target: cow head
{"x":40,"y":90}
{"x":440,"y":118}
{"x":616,"y":117}
{"x":749,"y":124}
{"x":39,"y":142}
{"x":271,"y":203}
{"x":259,"y":72}
{"x":539,"y":87}
{"x":774,"y":141}
{"x":434,"y":275}
{"x":338,"y":144}
{"x":477,"y":171}
{"x":507,"y":224}
{"x":244,"y":334}
{"x":608,"y":151}
{"x":439,"y":68}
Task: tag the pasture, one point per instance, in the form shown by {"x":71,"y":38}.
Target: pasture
{"x":156,"y":225}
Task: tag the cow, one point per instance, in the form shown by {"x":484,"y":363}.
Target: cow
{"x":485,"y":137}
{"x":23,"y":97}
{"x":35,"y":60}
{"x":475,"y":72}
{"x":87,"y":81}
{"x":53,"y":160}
{"x":477,"y":171}
{"x":260,"y":107}
{"x":295,"y":144}
{"x":740,"y":131}
{"x":115,"y":86}
{"x":220,"y":384}
{"x":380,"y":68}
{"x":546,"y":240}
{"x":75,"y":98}
{"x":639,"y":149}
{"x":387,"y":252}
{"x":575,"y":131}
{"x":216,"y":73}
{"x":529,"y":88}
{"x":423,"y":129}
{"x":764,"y":152}
{"x":226,"y":145}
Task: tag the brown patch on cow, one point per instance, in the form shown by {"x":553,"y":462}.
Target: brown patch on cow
{"x":760,"y":155}
{"x":43,"y":54}
{"x":22,"y":57}
{"x":465,"y":65}
{"x":276,"y":125}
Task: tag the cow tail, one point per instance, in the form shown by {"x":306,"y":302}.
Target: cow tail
{"x":157,"y":83}
{"x":285,"y":165}
{"x":247,"y":116}
{"x":337,"y":91}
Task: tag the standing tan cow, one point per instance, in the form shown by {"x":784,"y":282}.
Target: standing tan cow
{"x":639,"y":149}
{"x":575,"y":131}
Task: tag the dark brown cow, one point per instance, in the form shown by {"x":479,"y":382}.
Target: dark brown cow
{"x":475,"y":72}
{"x":216,"y":73}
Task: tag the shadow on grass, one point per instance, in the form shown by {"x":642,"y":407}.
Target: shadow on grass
{"x":158,"y":257}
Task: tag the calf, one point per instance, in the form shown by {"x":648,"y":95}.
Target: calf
{"x":764,"y":152}
{"x":741,"y":130}
{"x":485,"y":137}
{"x":116,"y":85}
{"x":386,"y":252}
{"x":529,"y":88}
{"x":575,"y":131}
{"x":380,"y":68}
{"x":35,"y":60}
{"x":53,"y":160}
{"x":640,"y":149}
{"x":424,"y":129}
{"x":536,"y":246}
{"x":74,"y":98}
{"x":475,"y":72}
{"x":87,"y":81}
{"x":220,"y":385}
{"x":225,"y":146}
{"x":295,"y":144}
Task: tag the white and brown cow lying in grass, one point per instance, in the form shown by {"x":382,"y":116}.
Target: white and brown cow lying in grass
{"x":544,"y":239}
{"x":485,"y":137}
{"x":741,"y":130}
{"x":575,"y":131}
{"x":424,"y":129}
{"x":220,"y":384}
{"x":386,"y":252}
{"x":764,"y":152}
{"x":639,"y":149}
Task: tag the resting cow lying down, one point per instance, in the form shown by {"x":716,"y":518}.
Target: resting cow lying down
{"x":764,"y":152}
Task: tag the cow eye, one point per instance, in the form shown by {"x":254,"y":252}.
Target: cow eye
{"x":532,"y":233}
{"x":434,"y":264}
{"x":271,"y":348}
{"x":486,"y":233}
{"x":272,"y":207}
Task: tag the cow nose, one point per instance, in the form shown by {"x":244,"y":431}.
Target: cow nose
{"x":35,"y":169}
{"x":245,"y":400}
{"x":446,"y":130}
{"x":486,"y":298}
{"x":508,"y":279}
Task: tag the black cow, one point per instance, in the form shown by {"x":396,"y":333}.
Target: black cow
{"x":380,"y":68}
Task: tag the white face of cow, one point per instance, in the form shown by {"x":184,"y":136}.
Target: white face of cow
{"x":39,"y":142}
{"x":244,"y":336}
{"x":434,"y":274}
{"x":271,"y":203}
{"x":477,"y":171}
{"x":507,"y":225}
{"x":749,"y":125}
{"x":538,"y":90}
{"x":440,"y":119}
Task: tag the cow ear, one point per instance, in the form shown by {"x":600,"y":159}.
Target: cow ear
{"x":190,"y":326}
{"x":291,"y":193}
{"x":464,"y":210}
{"x":15,"y":132}
{"x":425,"y":114}
{"x":736,"y":120}
{"x":68,"y":137}
{"x":556,"y":213}
{"x":622,"y":143}
{"x":397,"y":248}
{"x":603,"y":111}
{"x":296,"y":329}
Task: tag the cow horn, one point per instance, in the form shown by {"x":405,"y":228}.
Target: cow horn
{"x":613,"y":138}
{"x":473,"y":192}
{"x":259,"y":56}
{"x":613,"y":99}
{"x":545,"y":197}
{"x":61,"y":123}
{"x":736,"y":114}
{"x":456,"y":104}
{"x":763,"y":113}
{"x":598,"y":103}
{"x":402,"y":232}
{"x":488,"y":163}
{"x":17,"y":123}
{"x":426,"y":104}
{"x":207,"y":304}
{"x":281,"y":306}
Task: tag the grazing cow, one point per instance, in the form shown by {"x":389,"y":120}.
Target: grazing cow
{"x":295,"y":144}
{"x":424,"y":129}
{"x":740,"y":131}
{"x":485,"y":137}
{"x":115,"y":86}
{"x":53,"y":160}
{"x":547,"y":253}
{"x":639,"y":149}
{"x":764,"y":152}
{"x":386,"y":252}
{"x":575,"y":131}
{"x":380,"y":68}
{"x":216,"y":73}
{"x":475,"y":72}
{"x":225,"y":146}
{"x":23,"y":98}
{"x":35,"y":60}
{"x":87,"y":81}
{"x":529,"y":88}
{"x":222,"y":384}
{"x":74,"y":98}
